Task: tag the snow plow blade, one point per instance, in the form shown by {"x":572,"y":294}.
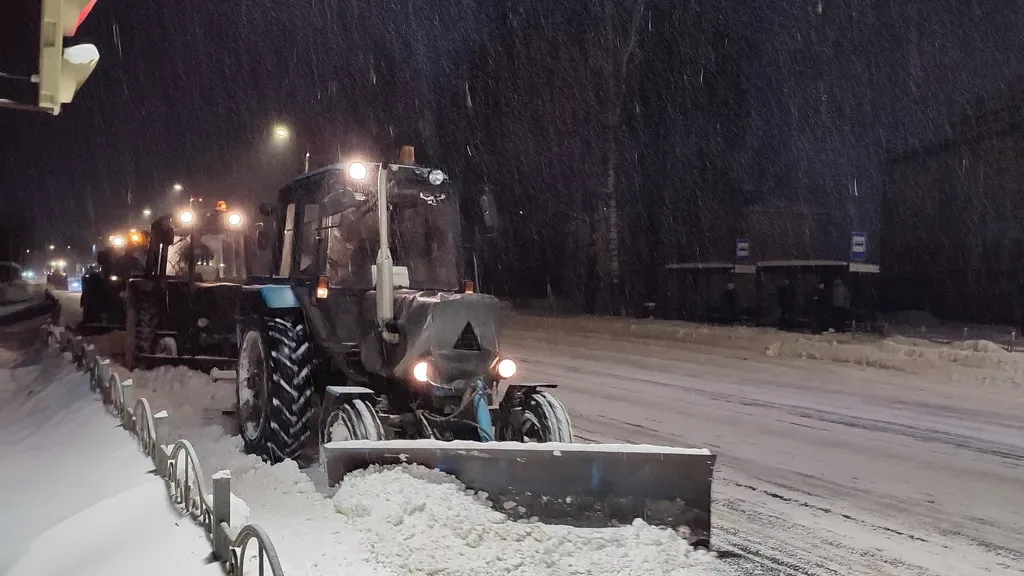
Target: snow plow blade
{"x":586,"y":485}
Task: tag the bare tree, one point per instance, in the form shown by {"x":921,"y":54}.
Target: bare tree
{"x":621,"y":27}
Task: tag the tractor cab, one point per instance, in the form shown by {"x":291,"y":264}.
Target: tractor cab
{"x":104,"y":283}
{"x":182,"y":310}
{"x":205,"y":246}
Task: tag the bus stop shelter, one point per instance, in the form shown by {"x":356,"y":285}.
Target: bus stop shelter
{"x":859,"y":278}
{"x":695,"y":291}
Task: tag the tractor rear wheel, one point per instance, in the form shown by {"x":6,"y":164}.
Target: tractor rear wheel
{"x":275,"y":388}
{"x":140,"y":329}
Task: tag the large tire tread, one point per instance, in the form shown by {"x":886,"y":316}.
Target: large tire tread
{"x":290,"y":366}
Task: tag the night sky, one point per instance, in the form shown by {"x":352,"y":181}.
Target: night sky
{"x":819,"y":92}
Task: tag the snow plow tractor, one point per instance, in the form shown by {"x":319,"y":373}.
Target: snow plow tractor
{"x":182,"y":310}
{"x":364,"y":349}
{"x":104,"y":285}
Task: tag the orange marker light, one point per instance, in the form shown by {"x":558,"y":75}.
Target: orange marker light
{"x":222,"y":206}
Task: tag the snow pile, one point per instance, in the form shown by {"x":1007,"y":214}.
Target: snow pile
{"x":415,"y":520}
{"x":900,"y":353}
{"x":76,"y":483}
{"x":396,"y":521}
{"x":192,"y":398}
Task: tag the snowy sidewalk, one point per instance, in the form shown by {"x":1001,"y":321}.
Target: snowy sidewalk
{"x":78,"y":497}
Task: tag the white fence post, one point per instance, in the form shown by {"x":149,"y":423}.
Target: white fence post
{"x":221,"y":514}
{"x":160,"y":433}
{"x":126,"y":404}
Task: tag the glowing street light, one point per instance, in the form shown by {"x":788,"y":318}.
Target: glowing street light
{"x":281,"y":133}
{"x":146,"y":212}
{"x":177,"y":187}
{"x":52,"y":246}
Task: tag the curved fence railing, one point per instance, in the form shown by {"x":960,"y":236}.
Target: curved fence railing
{"x":177,"y":464}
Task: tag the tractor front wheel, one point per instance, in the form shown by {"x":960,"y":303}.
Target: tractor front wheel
{"x":537,"y":416}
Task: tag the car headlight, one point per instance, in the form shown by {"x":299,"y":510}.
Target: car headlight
{"x":186,"y":216}
{"x":234,"y":219}
{"x":435,"y":177}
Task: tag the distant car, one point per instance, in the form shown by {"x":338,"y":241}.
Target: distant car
{"x":13,"y":288}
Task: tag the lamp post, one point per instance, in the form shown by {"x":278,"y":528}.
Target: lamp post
{"x":281,"y":135}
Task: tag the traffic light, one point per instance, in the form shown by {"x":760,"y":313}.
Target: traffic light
{"x":62,"y":71}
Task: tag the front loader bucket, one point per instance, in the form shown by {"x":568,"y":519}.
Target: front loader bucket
{"x":578,"y":484}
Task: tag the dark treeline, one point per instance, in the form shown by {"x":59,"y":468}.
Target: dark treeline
{"x":606,"y":134}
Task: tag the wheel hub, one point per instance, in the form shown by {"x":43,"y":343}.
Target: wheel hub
{"x":252,"y":386}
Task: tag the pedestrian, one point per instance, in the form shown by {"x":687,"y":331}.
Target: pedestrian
{"x":728,"y":303}
{"x":840,"y":304}
{"x":822,"y":307}
{"x":787,"y":304}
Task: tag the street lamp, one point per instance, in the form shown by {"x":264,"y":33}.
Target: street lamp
{"x":146,"y":212}
{"x":52,"y":246}
{"x":177,"y":187}
{"x":281,"y":133}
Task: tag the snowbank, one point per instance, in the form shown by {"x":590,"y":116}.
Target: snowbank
{"x":900,"y":353}
{"x":897,"y":352}
{"x":79,"y":495}
{"x":394,"y":521}
{"x":420,"y":521}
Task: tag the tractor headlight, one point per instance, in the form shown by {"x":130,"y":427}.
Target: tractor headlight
{"x":421,"y":371}
{"x":234,"y":219}
{"x":114,"y":278}
{"x":357,"y":171}
{"x":117,"y":241}
{"x":186,"y":216}
{"x":435,"y":177}
{"x":507,"y":368}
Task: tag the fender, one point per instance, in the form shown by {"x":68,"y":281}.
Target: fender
{"x":528,"y":386}
{"x":349,"y":391}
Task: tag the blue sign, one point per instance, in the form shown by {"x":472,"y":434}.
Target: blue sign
{"x":859,"y":247}
{"x":742,"y":249}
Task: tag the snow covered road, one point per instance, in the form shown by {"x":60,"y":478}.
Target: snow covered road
{"x":78,"y":496}
{"x":823,"y":468}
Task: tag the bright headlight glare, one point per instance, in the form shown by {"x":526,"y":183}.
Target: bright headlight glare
{"x":435,"y":177}
{"x":234,"y":219}
{"x":507,"y":368}
{"x":117,"y":241}
{"x":357,"y":171}
{"x":421,"y":371}
{"x":186,"y":216}
{"x":113,"y":278}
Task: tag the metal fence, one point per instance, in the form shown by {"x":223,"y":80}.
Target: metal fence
{"x":177,"y":464}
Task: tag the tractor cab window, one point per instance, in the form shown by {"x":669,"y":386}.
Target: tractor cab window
{"x":424,"y":238}
{"x":307,"y":240}
{"x":218,"y":256}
